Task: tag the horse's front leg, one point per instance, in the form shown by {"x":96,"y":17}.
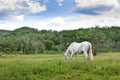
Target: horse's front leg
{"x":71,"y":55}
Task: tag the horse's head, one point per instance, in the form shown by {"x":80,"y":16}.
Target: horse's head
{"x":66,"y":54}
{"x":65,"y":57}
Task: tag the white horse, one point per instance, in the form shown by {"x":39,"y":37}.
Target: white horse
{"x":75,"y":47}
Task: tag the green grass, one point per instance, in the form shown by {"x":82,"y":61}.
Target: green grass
{"x":106,"y":66}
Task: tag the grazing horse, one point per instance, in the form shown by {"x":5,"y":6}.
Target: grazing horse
{"x":75,"y":47}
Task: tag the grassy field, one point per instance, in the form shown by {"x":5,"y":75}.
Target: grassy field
{"x":52,"y":67}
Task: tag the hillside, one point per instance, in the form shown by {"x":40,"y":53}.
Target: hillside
{"x":4,"y":32}
{"x":29,"y":40}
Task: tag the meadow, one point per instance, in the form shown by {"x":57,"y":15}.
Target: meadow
{"x":106,"y":66}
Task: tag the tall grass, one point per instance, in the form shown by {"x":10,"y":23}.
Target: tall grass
{"x":53,"y":67}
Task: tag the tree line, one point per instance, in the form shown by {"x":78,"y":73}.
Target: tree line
{"x":27,"y":40}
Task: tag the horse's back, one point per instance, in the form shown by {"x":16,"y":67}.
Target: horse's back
{"x":85,"y":45}
{"x":78,"y":47}
{"x":74,"y":47}
{"x":82,"y":44}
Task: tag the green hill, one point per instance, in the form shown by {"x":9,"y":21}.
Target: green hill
{"x":29,"y":40}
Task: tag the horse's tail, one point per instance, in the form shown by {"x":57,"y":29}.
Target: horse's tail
{"x":90,"y":52}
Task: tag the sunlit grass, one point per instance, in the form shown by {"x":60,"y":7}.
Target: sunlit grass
{"x":106,"y":66}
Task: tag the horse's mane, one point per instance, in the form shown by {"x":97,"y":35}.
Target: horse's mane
{"x":67,"y":51}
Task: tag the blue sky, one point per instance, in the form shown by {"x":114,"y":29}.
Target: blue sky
{"x":58,"y":14}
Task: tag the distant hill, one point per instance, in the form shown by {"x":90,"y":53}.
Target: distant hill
{"x":25,"y":30}
{"x":4,"y":32}
{"x":29,"y":40}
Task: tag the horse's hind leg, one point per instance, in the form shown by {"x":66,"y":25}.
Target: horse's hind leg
{"x":86,"y":55}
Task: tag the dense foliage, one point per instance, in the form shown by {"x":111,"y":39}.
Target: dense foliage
{"x":29,"y":40}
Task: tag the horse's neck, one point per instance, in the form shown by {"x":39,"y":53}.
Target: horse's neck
{"x":68,"y":49}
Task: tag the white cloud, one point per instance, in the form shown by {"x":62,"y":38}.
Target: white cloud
{"x":97,"y":12}
{"x":43,"y":23}
{"x":113,"y":12}
{"x":35,"y":7}
{"x":66,"y":23}
{"x":19,"y":17}
{"x":57,"y":21}
{"x":10,"y":25}
{"x":60,"y":2}
{"x":53,"y":23}
{"x":11,"y":8}
{"x":88,"y":3}
{"x":1,"y":22}
{"x":96,"y":7}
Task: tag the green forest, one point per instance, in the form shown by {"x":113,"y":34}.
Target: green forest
{"x":27,"y":40}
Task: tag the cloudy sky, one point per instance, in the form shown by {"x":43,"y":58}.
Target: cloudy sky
{"x":58,"y":14}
